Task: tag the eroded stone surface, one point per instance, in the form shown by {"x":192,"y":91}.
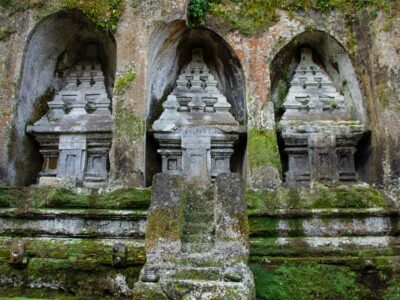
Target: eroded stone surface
{"x":196,"y":131}
{"x":320,"y":137}
{"x":75,"y":135}
{"x":197,"y":241}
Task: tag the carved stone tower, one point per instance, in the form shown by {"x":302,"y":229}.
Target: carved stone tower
{"x":75,"y":135}
{"x":197,"y":241}
{"x":319,"y":135}
{"x":196,"y":131}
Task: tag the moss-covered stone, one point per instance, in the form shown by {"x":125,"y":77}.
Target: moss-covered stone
{"x":104,"y":14}
{"x":128,"y":126}
{"x":123,"y":81}
{"x":393,"y":290}
{"x":6,"y":32}
{"x":319,"y":196}
{"x":254,"y":16}
{"x":99,"y":251}
{"x":310,"y":281}
{"x":166,"y":215}
{"x":61,"y":277}
{"x":263,"y":149}
{"x":29,"y":198}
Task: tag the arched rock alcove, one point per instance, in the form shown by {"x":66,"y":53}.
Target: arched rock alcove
{"x":170,"y":51}
{"x":56,"y":44}
{"x":331,"y":57}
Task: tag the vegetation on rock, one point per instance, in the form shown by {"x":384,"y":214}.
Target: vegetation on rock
{"x":263,"y":149}
{"x":123,"y":81}
{"x":319,"y":196}
{"x":27,"y":198}
{"x":311,"y":281}
{"x":104,"y":14}
{"x":254,"y":16}
{"x":196,"y":12}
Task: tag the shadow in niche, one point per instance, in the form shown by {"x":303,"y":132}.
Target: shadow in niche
{"x":330,"y":55}
{"x":362,"y":157}
{"x":56,"y":44}
{"x":170,"y":52}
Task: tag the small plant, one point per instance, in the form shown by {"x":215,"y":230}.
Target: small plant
{"x":334,"y":105}
{"x":123,"y":82}
{"x":196,"y":12}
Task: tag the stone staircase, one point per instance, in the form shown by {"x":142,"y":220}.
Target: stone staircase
{"x":199,"y":265}
{"x":198,"y":231}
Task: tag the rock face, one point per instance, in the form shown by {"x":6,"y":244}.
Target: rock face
{"x":75,"y":135}
{"x":320,"y":137}
{"x":196,"y":241}
{"x":196,"y":131}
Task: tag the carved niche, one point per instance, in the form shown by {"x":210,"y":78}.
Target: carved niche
{"x":75,"y":135}
{"x":319,"y":134}
{"x":196,"y":131}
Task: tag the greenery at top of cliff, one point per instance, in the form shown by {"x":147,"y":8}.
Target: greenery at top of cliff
{"x":254,"y":16}
{"x":196,"y":12}
{"x":104,"y":14}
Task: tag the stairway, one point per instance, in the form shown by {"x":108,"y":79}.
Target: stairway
{"x":198,"y":231}
{"x":203,"y":264}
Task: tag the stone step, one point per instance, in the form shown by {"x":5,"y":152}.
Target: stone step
{"x":201,"y":205}
{"x":199,"y":217}
{"x":197,"y":238}
{"x":196,"y":273}
{"x":203,"y":289}
{"x":196,"y":228}
{"x":197,"y":247}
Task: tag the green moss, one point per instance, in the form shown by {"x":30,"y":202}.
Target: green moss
{"x":26,"y":198}
{"x":263,"y":226}
{"x":319,"y":196}
{"x":6,"y":32}
{"x":127,"y":125}
{"x":254,"y":16}
{"x":125,"y":198}
{"x":393,"y":290}
{"x":123,"y":81}
{"x":263,"y":149}
{"x":71,"y":250}
{"x":311,"y":281}
{"x":104,"y":14}
{"x":167,"y":221}
{"x":65,"y":279}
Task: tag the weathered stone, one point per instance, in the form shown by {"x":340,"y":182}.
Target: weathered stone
{"x":193,"y":233}
{"x":232,"y":274}
{"x":119,"y":255}
{"x":17,"y":254}
{"x":75,"y":135}
{"x":196,"y":131}
{"x":320,"y":139}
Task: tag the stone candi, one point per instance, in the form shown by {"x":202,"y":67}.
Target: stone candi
{"x":196,"y":130}
{"x":319,"y":134}
{"x":75,"y":135}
